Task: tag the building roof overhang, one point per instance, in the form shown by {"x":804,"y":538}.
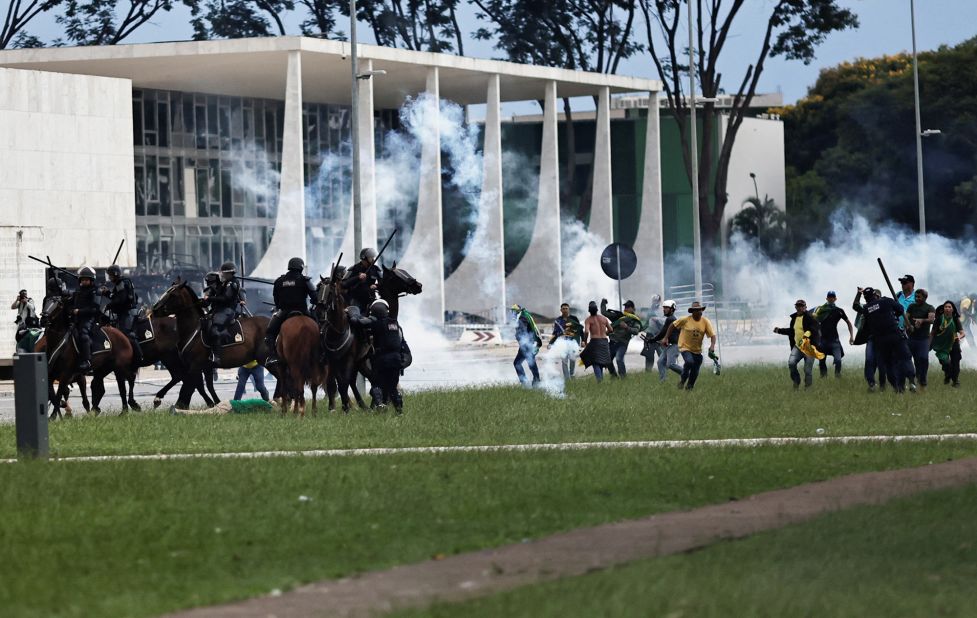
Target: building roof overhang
{"x":256,"y":67}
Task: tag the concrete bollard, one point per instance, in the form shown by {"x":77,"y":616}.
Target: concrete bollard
{"x":30,"y":402}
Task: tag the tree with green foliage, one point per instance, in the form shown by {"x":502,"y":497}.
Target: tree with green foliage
{"x":851,"y":143}
{"x":764,"y":223}
{"x":19,"y":14}
{"x":793,"y":30}
{"x":230,"y":19}
{"x":109,"y":22}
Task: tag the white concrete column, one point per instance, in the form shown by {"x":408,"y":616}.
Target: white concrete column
{"x":368,"y":194}
{"x":424,"y":257}
{"x":601,"y":205}
{"x":288,"y":239}
{"x":537,"y":281}
{"x":649,"y":278}
{"x":478,"y":284}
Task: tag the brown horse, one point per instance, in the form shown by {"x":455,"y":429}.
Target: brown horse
{"x":180,"y":301}
{"x":298,"y":349}
{"x":63,"y":359}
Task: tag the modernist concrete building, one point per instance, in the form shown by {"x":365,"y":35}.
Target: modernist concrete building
{"x":232,"y":140}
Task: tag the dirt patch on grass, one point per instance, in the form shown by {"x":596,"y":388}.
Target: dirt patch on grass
{"x":580,"y":551}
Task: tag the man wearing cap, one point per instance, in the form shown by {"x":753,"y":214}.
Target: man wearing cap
{"x":891,"y":348}
{"x":872,"y":363}
{"x":668,"y":356}
{"x":624,"y":325}
{"x":919,"y":317}
{"x":692,"y":330}
{"x":828,"y":315}
{"x":907,"y":296}
{"x":802,"y":334}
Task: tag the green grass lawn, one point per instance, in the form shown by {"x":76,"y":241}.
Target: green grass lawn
{"x":911,"y":557}
{"x":742,"y":402}
{"x":140,"y":538}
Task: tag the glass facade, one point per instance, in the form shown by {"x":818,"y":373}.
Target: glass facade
{"x":207,"y":175}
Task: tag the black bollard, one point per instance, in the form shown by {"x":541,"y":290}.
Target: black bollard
{"x":30,"y":402}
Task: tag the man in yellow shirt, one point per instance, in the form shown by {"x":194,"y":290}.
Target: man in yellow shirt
{"x":692,"y":330}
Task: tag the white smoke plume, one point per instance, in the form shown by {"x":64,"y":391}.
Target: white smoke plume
{"x":583,"y":278}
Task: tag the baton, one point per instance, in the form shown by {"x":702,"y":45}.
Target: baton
{"x":49,"y":264}
{"x":887,"y":282}
{"x":253,"y":280}
{"x":384,"y":248}
{"x":118,"y":251}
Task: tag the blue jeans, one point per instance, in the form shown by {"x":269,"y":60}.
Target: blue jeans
{"x":668,"y":360}
{"x":795,"y":357}
{"x":921,"y":358}
{"x":835,"y":351}
{"x":690,"y":372}
{"x":527,"y":354}
{"x":257,"y":375}
{"x":618,"y":350}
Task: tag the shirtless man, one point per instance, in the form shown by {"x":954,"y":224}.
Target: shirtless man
{"x":596,"y":328}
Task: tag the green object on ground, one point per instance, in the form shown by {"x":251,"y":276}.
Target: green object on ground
{"x":251,"y":406}
{"x":911,"y":557}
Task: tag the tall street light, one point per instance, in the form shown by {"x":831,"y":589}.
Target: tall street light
{"x":919,"y":127}
{"x":354,"y":139}
{"x":694,"y":147}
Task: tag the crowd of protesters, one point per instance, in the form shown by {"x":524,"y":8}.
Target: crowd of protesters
{"x":899,"y":335}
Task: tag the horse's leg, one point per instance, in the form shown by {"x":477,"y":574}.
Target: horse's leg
{"x":213,"y":400}
{"x":314,"y":387}
{"x":342,"y":384}
{"x":98,"y":390}
{"x":131,"y":380}
{"x":190,"y":382}
{"x":83,"y":391}
{"x":174,"y":380}
{"x":122,"y":381}
{"x":331,"y":392}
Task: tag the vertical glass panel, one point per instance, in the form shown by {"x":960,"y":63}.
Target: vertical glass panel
{"x":165,"y":207}
{"x":226,"y":191}
{"x":137,"y":123}
{"x":140,"y":189}
{"x":201,"y":126}
{"x":213,"y":183}
{"x":202,"y":193}
{"x":163,"y":117}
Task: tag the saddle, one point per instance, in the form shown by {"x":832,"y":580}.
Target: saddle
{"x":233,"y":334}
{"x":100,"y":341}
{"x":143,"y":327}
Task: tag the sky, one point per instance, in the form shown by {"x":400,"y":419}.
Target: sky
{"x":885,"y":29}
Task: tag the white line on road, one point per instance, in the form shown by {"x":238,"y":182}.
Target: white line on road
{"x":515,"y":448}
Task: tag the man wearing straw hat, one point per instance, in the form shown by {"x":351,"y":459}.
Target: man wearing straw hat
{"x":692,"y":330}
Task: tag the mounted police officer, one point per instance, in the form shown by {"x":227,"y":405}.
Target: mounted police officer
{"x":387,"y":345}
{"x":293,"y":293}
{"x":362,"y":280}
{"x":122,"y":305}
{"x":224,"y":300}
{"x":55,"y":288}
{"x":84,"y":310}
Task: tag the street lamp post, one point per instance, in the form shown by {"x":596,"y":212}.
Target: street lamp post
{"x":759,"y":210}
{"x":694,"y":147}
{"x":919,"y":127}
{"x":354,"y":138}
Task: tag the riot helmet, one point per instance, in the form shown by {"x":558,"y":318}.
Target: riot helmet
{"x":86,"y":273}
{"x":296,"y":263}
{"x":368,"y":253}
{"x":211,"y":278}
{"x":113,"y":271}
{"x":228,"y":271}
{"x":380,"y":308}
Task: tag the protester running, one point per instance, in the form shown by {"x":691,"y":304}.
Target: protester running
{"x":945,"y":341}
{"x":692,"y":330}
{"x":803,"y":336}
{"x":567,"y":334}
{"x":920,"y":316}
{"x":625,"y":324}
{"x":597,"y":352}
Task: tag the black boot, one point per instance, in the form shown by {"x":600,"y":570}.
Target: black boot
{"x":272,"y":357}
{"x":137,"y":356}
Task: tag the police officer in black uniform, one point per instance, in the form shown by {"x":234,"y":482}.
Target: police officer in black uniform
{"x":362,"y":280}
{"x":122,"y":304}
{"x":881,"y":315}
{"x":224,"y":301}
{"x":386,"y":360}
{"x":84,"y":310}
{"x":55,"y":289}
{"x":293,"y":293}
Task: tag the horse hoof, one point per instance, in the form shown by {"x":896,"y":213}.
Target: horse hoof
{"x":124,"y":412}
{"x":156,"y":402}
{"x":96,"y":410}
{"x":135,"y":406}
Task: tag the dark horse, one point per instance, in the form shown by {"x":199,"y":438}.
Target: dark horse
{"x":180,"y":301}
{"x":63,"y":358}
{"x":164,"y":348}
{"x":41,"y":348}
{"x":298,"y":349}
{"x":348,"y":354}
